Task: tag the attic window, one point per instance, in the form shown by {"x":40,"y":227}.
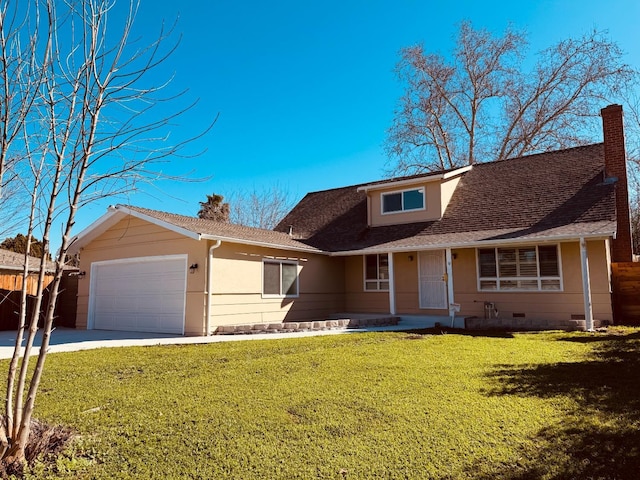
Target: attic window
{"x":403,"y":201}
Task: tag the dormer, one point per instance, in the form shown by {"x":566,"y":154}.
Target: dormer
{"x":410,"y":200}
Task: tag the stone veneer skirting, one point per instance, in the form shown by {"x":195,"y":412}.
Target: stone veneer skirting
{"x":289,"y":327}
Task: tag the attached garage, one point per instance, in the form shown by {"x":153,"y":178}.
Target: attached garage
{"x":146,"y":294}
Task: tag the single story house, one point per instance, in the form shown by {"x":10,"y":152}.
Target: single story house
{"x":527,"y":241}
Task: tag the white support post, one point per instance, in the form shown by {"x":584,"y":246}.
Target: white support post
{"x":586,"y":285}
{"x":451,"y":301}
{"x":392,"y":286}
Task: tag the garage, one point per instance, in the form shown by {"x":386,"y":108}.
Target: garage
{"x":139,"y":294}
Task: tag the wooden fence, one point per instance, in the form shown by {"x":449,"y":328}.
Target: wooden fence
{"x":625,"y":279}
{"x":13,"y":281}
{"x":65,"y":313}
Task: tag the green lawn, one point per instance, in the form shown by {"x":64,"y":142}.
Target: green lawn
{"x":376,"y":405}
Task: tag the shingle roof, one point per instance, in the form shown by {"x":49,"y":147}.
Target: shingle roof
{"x":548,"y":195}
{"x":227,"y":231}
{"x":15,"y":261}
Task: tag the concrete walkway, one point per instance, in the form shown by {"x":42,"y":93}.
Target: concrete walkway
{"x":71,"y":340}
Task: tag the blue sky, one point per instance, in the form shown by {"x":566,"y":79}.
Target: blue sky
{"x":305,"y":90}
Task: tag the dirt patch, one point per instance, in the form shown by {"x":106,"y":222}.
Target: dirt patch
{"x":45,"y":443}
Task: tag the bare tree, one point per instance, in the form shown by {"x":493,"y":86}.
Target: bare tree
{"x":260,"y":208}
{"x":214,"y":208}
{"x":89,"y":131}
{"x":482,"y":104}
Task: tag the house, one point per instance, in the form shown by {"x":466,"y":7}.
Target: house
{"x":11,"y":282}
{"x":521,"y":243}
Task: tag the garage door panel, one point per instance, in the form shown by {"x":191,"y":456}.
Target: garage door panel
{"x":145,"y":295}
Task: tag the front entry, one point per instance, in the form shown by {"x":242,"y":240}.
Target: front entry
{"x":433,"y":279}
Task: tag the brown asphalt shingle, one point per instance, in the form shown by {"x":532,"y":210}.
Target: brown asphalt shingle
{"x":552,"y":194}
{"x":226,"y":231}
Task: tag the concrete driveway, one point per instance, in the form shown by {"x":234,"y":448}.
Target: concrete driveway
{"x":71,"y":340}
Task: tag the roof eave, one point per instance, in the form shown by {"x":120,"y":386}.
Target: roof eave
{"x":113,"y":216}
{"x":413,"y":181}
{"x":264,"y":244}
{"x":477,"y":244}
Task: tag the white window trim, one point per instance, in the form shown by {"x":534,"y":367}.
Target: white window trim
{"x":538,"y":278}
{"x":280,"y":262}
{"x":377,"y":280}
{"x":403,"y":210}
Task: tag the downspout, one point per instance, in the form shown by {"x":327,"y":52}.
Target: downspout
{"x":210,"y":287}
{"x":586,"y":286}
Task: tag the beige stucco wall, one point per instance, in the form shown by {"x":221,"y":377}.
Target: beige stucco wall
{"x":431,"y":212}
{"x":237,"y":272}
{"x":538,"y":305}
{"x":535,"y":305}
{"x":134,"y":238}
{"x":237,"y":287}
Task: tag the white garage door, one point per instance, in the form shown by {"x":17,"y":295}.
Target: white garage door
{"x":139,"y":295}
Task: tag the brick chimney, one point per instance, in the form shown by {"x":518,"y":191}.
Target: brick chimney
{"x":615,"y":165}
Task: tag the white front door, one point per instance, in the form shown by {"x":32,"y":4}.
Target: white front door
{"x":433,"y":279}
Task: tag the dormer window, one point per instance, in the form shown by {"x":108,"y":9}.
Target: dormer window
{"x":403,"y":201}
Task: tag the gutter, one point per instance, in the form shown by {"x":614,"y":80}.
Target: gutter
{"x":476,"y":244}
{"x":210,"y":286}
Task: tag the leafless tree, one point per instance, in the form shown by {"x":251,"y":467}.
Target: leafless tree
{"x":631,"y":100}
{"x":260,"y":208}
{"x":481,"y":104}
{"x":86,"y":127}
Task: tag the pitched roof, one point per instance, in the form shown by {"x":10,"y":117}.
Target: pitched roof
{"x":196,"y":228}
{"x":553,"y":195}
{"x":15,"y":261}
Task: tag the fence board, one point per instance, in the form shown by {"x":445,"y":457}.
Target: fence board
{"x":625,"y":280}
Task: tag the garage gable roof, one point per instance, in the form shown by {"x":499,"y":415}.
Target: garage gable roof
{"x":191,"y":227}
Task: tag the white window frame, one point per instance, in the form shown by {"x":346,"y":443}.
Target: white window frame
{"x":538,"y":278}
{"x":280,"y":263}
{"x":377,"y":280}
{"x":402,"y":209}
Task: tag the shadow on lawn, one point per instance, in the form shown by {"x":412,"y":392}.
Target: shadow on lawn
{"x":601,"y":438}
{"x":460,"y":331}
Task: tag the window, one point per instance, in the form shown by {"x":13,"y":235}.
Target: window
{"x":376,"y":272}
{"x":522,"y":268}
{"x":404,"y":201}
{"x":279,"y":278}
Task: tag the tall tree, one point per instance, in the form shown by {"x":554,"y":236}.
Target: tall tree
{"x":482,"y":104}
{"x":18,"y":244}
{"x":260,"y":208}
{"x":90,"y":130}
{"x":214,"y":208}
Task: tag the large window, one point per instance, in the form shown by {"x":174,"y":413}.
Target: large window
{"x":279,"y":278}
{"x":403,"y":201}
{"x":376,"y":272}
{"x":522,"y":268}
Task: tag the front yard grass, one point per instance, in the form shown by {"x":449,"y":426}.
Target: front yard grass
{"x":376,"y":405}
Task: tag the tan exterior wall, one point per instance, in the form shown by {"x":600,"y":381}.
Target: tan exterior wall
{"x":535,"y":305}
{"x":432,"y":212}
{"x":538,"y":305}
{"x":237,"y":272}
{"x":356,"y":299}
{"x":447,"y":188}
{"x":134,"y":238}
{"x":237,"y":287}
